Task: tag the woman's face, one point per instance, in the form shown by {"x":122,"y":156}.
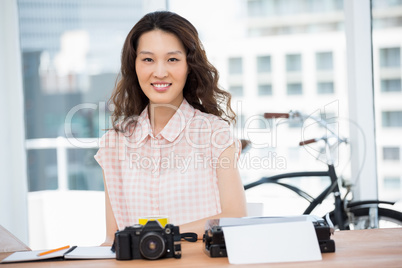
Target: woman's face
{"x":161,"y":67}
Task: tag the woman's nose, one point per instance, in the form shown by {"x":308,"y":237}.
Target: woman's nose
{"x":160,"y":70}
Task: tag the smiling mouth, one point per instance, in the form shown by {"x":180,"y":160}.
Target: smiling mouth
{"x":161,"y":86}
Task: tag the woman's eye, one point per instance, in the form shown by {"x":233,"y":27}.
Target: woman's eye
{"x":147,"y":60}
{"x":173,"y":59}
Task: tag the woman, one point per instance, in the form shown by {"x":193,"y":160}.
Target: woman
{"x":171,"y":151}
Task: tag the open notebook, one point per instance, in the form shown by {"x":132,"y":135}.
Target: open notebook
{"x":70,"y":253}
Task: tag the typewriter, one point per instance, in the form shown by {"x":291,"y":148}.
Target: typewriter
{"x":214,"y":240}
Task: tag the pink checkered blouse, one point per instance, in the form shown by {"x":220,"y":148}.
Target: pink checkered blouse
{"x":172,"y":174}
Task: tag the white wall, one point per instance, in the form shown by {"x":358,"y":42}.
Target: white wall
{"x":13,"y":177}
{"x":58,"y":218}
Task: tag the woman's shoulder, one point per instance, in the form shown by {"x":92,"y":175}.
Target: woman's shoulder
{"x":110,"y":137}
{"x":110,"y":133}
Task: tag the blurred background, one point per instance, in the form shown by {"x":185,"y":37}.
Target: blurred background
{"x":273,"y":56}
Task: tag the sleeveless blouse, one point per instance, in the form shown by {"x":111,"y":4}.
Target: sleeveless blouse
{"x":171,"y":174}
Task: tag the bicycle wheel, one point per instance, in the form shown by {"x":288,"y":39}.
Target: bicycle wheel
{"x":388,"y":218}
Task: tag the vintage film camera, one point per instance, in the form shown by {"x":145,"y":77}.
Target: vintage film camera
{"x":150,"y":241}
{"x":214,"y":240}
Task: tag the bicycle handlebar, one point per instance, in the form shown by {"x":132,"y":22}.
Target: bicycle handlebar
{"x":307,"y":142}
{"x":292,"y":115}
{"x":276,"y":115}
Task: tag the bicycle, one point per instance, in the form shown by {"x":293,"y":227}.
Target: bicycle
{"x":347,"y":214}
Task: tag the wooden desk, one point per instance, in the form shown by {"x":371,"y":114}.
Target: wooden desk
{"x":364,"y":248}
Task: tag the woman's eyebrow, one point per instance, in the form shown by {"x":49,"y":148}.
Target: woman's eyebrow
{"x":175,"y":52}
{"x":169,"y":53}
{"x":145,"y":52}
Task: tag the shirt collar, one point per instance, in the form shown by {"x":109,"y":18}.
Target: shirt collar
{"x":173,"y":128}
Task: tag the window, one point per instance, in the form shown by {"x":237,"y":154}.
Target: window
{"x":390,"y":57}
{"x":294,"y":154}
{"x":293,"y":63}
{"x":294,"y":89}
{"x":391,"y":153}
{"x":391,"y":85}
{"x":70,"y":51}
{"x":295,"y":123}
{"x":325,"y":87}
{"x":235,"y":65}
{"x":65,"y":67}
{"x":240,"y":121}
{"x":265,"y":123}
{"x":392,"y":119}
{"x":392,"y":183}
{"x":236,"y":91}
{"x":43,"y":165}
{"x":257,"y":8}
{"x":385,"y":4}
{"x":82,"y":169}
{"x":324,"y":61}
{"x":264,"y":64}
{"x":275,"y":55}
{"x":264,"y":90}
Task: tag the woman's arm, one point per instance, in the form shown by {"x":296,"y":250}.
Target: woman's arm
{"x":231,"y":192}
{"x":111,"y":225}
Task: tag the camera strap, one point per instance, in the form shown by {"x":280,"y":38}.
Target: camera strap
{"x":190,"y":237}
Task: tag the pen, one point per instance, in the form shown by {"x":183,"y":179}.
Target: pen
{"x":52,"y":250}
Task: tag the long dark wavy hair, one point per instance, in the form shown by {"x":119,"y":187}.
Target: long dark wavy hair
{"x":201,"y":89}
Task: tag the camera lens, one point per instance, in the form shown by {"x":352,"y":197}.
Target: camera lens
{"x":152,"y":246}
